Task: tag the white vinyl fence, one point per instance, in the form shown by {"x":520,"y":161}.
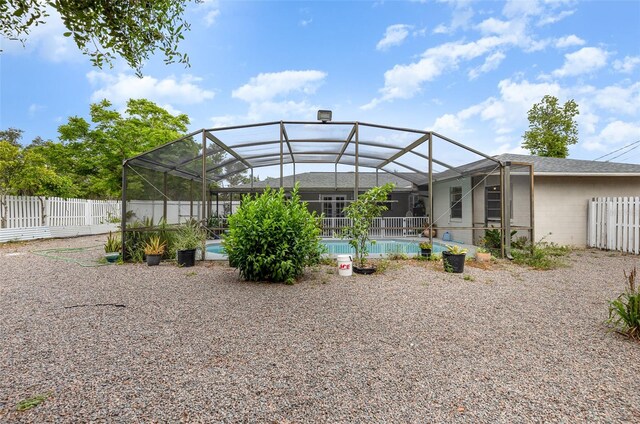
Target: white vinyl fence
{"x":614,"y":224}
{"x":30,"y":217}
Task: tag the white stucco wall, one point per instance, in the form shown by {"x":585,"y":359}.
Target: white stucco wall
{"x":442,"y":214}
{"x":561,"y":204}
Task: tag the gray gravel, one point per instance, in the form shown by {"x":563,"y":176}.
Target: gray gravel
{"x":412,"y":345}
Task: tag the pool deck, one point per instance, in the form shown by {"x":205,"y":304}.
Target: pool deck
{"x":209,"y":256}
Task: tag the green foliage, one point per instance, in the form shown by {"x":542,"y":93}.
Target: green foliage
{"x":106,"y":29}
{"x":541,"y":255}
{"x":454,"y":249}
{"x":624,"y":312}
{"x":189,"y":236}
{"x":113,"y":244}
{"x":92,"y":154}
{"x":32,"y":402}
{"x":552,"y":128}
{"x":468,"y":277}
{"x":362,"y":211}
{"x":272,"y":238}
{"x":425,"y":245}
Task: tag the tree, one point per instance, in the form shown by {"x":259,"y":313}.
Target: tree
{"x":104,"y":29}
{"x":25,"y":172}
{"x":12,"y":135}
{"x":95,"y":154}
{"x":552,"y":128}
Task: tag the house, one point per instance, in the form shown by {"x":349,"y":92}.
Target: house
{"x":329,"y":192}
{"x":558,"y":202}
{"x":467,"y":198}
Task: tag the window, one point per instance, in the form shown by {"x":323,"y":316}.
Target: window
{"x":492,"y":199}
{"x":333,"y":206}
{"x":455,"y":196}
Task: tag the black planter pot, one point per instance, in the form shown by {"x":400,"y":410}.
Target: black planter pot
{"x":187,"y":258}
{"x":425,"y":252}
{"x":365,"y":270}
{"x":453,"y":263}
{"x":153,"y":260}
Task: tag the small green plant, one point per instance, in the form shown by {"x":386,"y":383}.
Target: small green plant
{"x":154,"y":246}
{"x":456,"y":250}
{"x":113,"y":244}
{"x":32,"y":402}
{"x":425,"y":245}
{"x":382,"y":265}
{"x":362,"y":211}
{"x":541,"y":255}
{"x":189,"y":236}
{"x":481,"y":250}
{"x":468,"y":277}
{"x":624,"y":312}
{"x":272,"y":238}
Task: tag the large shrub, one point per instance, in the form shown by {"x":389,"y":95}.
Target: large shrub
{"x":272,"y":238}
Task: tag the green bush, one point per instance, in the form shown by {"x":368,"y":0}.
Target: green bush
{"x":272,"y":238}
{"x":624,"y":312}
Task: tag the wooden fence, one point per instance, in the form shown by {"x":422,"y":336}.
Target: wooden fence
{"x":614,"y":223}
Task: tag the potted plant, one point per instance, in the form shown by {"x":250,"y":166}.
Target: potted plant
{"x":425,"y":249}
{"x":361,"y":212}
{"x":112,"y":248}
{"x":453,"y":259}
{"x":154,"y":248}
{"x":188,"y":239}
{"x":482,"y":255}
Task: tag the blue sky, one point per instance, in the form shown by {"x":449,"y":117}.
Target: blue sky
{"x":470,"y":70}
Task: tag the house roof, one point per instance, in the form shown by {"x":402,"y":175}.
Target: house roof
{"x":327,"y":180}
{"x":547,"y":166}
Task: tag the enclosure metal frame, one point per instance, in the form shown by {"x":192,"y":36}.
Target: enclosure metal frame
{"x":207,"y":174}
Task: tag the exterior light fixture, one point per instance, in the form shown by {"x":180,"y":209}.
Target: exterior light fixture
{"x":324,"y":115}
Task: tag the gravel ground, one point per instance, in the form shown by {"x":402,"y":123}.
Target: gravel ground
{"x":507,"y":344}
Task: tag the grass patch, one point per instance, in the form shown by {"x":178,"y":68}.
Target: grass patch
{"x":26,"y":404}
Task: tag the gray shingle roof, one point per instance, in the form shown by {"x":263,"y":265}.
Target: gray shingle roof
{"x":544,"y":165}
{"x":327,"y":180}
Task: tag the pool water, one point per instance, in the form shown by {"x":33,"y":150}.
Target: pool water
{"x":342,"y":247}
{"x":381,"y":247}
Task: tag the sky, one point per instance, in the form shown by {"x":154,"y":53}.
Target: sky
{"x":467,"y":69}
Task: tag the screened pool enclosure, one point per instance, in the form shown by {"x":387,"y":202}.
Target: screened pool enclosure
{"x":203,"y":175}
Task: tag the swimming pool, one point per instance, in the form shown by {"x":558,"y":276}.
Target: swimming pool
{"x":342,"y":247}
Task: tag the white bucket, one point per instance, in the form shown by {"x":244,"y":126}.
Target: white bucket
{"x":344,"y":265}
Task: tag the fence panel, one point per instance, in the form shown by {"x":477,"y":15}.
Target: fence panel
{"x":614,"y":223}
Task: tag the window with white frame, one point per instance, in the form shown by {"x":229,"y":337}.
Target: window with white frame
{"x":455,"y":198}
{"x":333,"y":205}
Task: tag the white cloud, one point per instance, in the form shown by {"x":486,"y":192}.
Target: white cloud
{"x":269,"y":85}
{"x":627,"y":65}
{"x":171,"y":90}
{"x":552,"y":18}
{"x":34,"y":108}
{"x":583,"y":61}
{"x":404,"y":81}
{"x":491,"y":62}
{"x":461,"y":16}
{"x":305,"y":22}
{"x":211,"y":16}
{"x":569,"y":41}
{"x":261,"y":93}
{"x":619,"y":99}
{"x":615,"y":133}
{"x":393,"y":36}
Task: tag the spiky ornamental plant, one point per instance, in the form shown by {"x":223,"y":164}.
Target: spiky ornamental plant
{"x":624,"y":312}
